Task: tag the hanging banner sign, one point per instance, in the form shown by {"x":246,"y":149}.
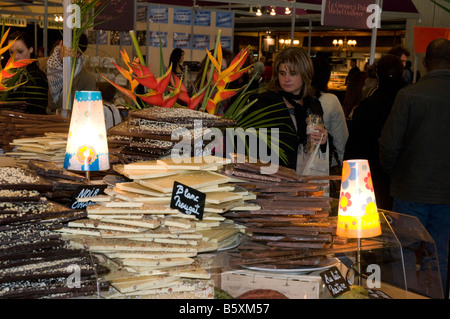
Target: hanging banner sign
{"x":159,"y":15}
{"x":155,"y":37}
{"x":181,"y":40}
{"x":224,"y":19}
{"x":225,"y":42}
{"x":118,"y":15}
{"x":102,"y":37}
{"x":202,"y":18}
{"x":125,"y":38}
{"x":201,"y":42}
{"x":182,"y":16}
{"x":424,"y":35}
{"x":13,"y":22}
{"x":359,"y":14}
{"x":51,"y":24}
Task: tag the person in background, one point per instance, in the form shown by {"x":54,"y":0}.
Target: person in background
{"x":415,"y":149}
{"x":333,"y":114}
{"x":354,"y":92}
{"x":291,"y":97}
{"x":112,"y":113}
{"x":371,"y":82}
{"x":403,"y":54}
{"x":84,"y":80}
{"x":353,"y":69}
{"x":268,"y":70}
{"x":368,"y":120}
{"x":176,"y":59}
{"x":35,"y":90}
{"x":257,"y":71}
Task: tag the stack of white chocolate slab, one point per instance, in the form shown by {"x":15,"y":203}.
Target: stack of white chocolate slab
{"x":155,"y":246}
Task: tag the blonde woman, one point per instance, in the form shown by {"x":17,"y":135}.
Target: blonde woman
{"x":290,"y":96}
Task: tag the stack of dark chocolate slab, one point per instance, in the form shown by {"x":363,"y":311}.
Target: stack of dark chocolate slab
{"x":292,"y":228}
{"x":64,"y":183}
{"x":147,"y":133}
{"x":15,"y":125}
{"x":35,"y":262}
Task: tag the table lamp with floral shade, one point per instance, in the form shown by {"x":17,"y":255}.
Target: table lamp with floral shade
{"x":87,"y":145}
{"x":358,"y":215}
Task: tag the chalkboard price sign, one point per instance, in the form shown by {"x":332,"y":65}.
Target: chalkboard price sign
{"x":86,"y":191}
{"x":334,"y":281}
{"x":188,"y":200}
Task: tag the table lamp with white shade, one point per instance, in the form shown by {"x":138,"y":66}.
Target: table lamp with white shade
{"x":87,"y":145}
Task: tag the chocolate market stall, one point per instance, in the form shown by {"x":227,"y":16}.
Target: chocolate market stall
{"x":153,"y":251}
{"x":274,"y":233}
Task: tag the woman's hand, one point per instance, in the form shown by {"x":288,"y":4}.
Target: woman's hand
{"x":317,"y":134}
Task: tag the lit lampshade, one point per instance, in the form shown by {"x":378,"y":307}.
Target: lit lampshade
{"x":87,"y":146}
{"x":358,"y":215}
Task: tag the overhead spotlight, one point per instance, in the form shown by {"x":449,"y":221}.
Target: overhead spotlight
{"x":258,"y":12}
{"x":288,"y":11}
{"x":272,"y":12}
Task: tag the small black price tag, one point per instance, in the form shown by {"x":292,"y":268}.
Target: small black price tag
{"x":86,"y":191}
{"x":188,"y":200}
{"x":377,"y":294}
{"x":334,"y":281}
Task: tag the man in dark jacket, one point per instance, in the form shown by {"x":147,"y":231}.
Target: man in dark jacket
{"x":368,"y":120}
{"x":415,"y":149}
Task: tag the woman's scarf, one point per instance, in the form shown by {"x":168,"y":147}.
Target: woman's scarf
{"x":301,"y":111}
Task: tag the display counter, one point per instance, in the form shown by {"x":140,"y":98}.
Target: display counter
{"x":144,"y":250}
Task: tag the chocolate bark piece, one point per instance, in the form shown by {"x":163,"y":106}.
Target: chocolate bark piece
{"x":52,"y":170}
{"x":122,"y":129}
{"x":42,"y":210}
{"x":284,"y":173}
{"x":114,"y":140}
{"x":41,"y":288}
{"x":149,"y":143}
{"x":21,"y":195}
{"x":251,"y":176}
{"x":19,"y":178}
{"x":146,"y":151}
{"x":181,"y":115}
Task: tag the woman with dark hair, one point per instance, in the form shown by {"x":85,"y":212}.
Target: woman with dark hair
{"x":354,"y":93}
{"x":290,"y":96}
{"x":35,"y":89}
{"x":176,"y":60}
{"x":368,"y":120}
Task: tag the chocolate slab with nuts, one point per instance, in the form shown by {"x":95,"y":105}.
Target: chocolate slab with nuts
{"x":181,"y":116}
{"x":20,"y":195}
{"x":26,"y":211}
{"x":19,"y":178}
{"x":52,"y":170}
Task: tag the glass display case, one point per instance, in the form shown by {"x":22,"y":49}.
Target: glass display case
{"x":337,"y":81}
{"x":401,"y":263}
{"x":421,"y":264}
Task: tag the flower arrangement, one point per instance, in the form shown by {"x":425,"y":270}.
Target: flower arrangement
{"x":12,"y":67}
{"x":166,"y":90}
